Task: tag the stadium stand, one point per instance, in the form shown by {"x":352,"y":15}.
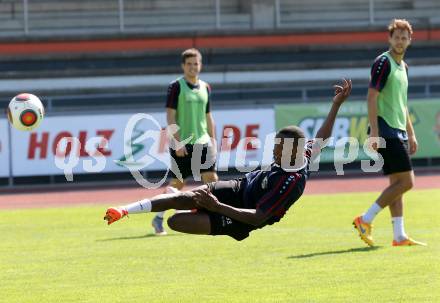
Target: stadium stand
{"x":239,"y":76}
{"x":304,"y":14}
{"x":104,"y":16}
{"x":49,"y":17}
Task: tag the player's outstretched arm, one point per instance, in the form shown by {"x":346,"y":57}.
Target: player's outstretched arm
{"x":207,"y":200}
{"x":342,"y":92}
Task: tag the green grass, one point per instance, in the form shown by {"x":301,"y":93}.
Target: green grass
{"x":312,"y":255}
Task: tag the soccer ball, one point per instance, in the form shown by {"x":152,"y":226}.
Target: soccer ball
{"x":25,"y":112}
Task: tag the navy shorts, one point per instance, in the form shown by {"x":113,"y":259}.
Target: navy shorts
{"x":228,"y":192}
{"x":395,"y":156}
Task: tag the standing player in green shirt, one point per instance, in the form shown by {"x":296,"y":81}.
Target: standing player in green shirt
{"x":389,"y":118}
{"x":188,"y":107}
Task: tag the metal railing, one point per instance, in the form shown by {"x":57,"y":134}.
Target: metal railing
{"x":224,"y":97}
{"x":125,"y":16}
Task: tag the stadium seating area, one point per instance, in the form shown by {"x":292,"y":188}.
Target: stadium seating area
{"x":340,"y":13}
{"x":136,"y":77}
{"x":103,"y":16}
{"x":159,"y":16}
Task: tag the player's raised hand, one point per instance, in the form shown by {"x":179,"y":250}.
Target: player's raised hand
{"x":205,"y":199}
{"x":342,"y":91}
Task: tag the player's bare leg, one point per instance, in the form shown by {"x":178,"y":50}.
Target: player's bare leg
{"x":399,"y":184}
{"x":403,"y":182}
{"x":392,"y":197}
{"x":396,"y":210}
{"x":191,"y":223}
{"x":400,"y":237}
{"x":179,"y":200}
{"x":176,"y":183}
{"x":157,"y":221}
{"x":209,"y":176}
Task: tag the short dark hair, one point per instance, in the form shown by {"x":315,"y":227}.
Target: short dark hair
{"x":191,"y":52}
{"x":291,"y":131}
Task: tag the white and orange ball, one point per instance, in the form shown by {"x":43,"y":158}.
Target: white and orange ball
{"x":25,"y":112}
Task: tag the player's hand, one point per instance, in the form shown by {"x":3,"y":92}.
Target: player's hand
{"x":182,"y":152}
{"x":205,"y":199}
{"x":413,"y":144}
{"x":374,"y":135}
{"x":342,"y":92}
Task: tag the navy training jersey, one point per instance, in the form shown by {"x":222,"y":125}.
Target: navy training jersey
{"x":274,"y":191}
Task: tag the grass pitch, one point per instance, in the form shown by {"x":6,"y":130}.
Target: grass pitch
{"x":312,"y":255}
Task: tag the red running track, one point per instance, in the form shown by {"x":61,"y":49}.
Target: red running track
{"x":112,"y":196}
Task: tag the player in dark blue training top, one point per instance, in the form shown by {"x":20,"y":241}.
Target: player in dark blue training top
{"x":262,"y":197}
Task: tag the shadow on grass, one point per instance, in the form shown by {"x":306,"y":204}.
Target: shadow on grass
{"x":136,"y":237}
{"x":336,"y":252}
